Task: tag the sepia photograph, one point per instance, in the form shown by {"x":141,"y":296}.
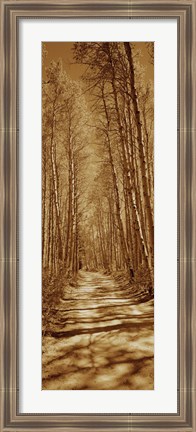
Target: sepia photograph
{"x":97,"y":216}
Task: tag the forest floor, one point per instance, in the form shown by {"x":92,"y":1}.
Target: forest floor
{"x":99,"y":337}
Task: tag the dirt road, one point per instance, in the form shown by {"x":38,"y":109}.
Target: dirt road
{"x":99,"y":339}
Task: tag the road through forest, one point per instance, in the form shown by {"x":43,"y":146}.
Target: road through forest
{"x":100,"y":337}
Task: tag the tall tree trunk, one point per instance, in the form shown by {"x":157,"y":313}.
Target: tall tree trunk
{"x":55,"y":185}
{"x":146,"y":198}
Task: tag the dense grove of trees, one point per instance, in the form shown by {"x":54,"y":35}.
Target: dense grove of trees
{"x":97,"y":163}
{"x":63,"y":165}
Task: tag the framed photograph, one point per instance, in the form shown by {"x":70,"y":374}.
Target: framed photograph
{"x":98,"y":216}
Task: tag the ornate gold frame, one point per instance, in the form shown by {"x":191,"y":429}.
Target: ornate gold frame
{"x":184,"y":12}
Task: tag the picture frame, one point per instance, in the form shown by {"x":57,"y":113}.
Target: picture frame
{"x":184,"y":12}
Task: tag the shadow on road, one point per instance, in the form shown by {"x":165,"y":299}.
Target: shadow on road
{"x":99,"y":342}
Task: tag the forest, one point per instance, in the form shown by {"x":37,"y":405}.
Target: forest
{"x":97,"y":197}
